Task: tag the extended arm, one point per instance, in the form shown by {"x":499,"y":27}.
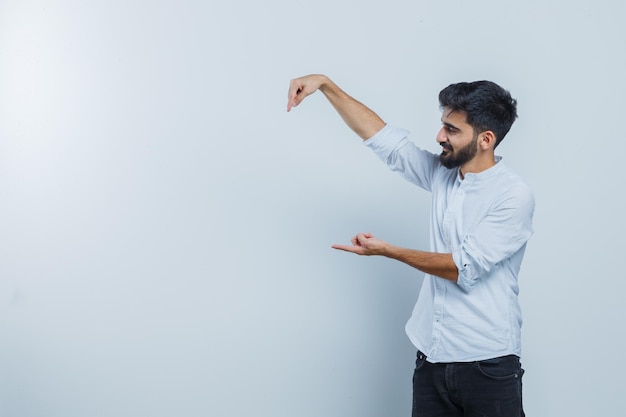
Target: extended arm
{"x":363,"y":121}
{"x":438,"y":264}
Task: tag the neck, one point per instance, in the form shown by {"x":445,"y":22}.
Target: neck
{"x":477,"y":164}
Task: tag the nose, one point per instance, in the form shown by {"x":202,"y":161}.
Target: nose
{"x":441,"y":136}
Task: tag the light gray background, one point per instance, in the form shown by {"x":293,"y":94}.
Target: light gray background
{"x":165,"y":225}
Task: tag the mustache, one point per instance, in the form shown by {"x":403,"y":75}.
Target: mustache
{"x":446,"y":146}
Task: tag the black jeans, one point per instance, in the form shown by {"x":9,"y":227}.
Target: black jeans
{"x":489,"y":388}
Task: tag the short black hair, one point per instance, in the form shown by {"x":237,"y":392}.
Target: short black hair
{"x":486,"y":105}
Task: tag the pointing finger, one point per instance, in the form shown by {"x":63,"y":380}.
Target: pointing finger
{"x":351,"y":249}
{"x":295,"y":88}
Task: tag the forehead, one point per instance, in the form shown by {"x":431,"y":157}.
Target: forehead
{"x":457,"y":118}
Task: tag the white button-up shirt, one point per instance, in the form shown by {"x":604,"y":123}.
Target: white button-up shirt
{"x":484,"y":220}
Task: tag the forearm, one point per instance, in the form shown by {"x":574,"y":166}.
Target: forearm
{"x":438,"y":264}
{"x":362,"y":120}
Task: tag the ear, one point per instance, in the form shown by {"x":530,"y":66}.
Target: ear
{"x":486,"y":140}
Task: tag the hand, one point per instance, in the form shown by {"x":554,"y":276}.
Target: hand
{"x":299,"y":88}
{"x":365,"y":244}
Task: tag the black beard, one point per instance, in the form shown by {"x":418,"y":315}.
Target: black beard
{"x":465,"y":154}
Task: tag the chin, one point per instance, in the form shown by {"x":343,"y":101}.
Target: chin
{"x":447,"y":162}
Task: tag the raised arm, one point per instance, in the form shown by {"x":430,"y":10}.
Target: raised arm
{"x":363,"y":121}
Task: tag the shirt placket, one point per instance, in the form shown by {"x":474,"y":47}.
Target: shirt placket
{"x":448,"y":229}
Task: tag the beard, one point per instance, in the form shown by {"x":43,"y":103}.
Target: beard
{"x":455,"y":159}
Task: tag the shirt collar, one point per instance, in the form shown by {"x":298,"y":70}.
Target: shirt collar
{"x":483,"y":175}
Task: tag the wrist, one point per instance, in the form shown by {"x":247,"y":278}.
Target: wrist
{"x":325,"y":84}
{"x":387,"y":250}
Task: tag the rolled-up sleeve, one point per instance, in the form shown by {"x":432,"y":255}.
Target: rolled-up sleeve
{"x":495,"y":239}
{"x":401,"y":155}
{"x":386,"y":140}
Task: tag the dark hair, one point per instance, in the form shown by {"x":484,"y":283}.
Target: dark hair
{"x":486,"y":105}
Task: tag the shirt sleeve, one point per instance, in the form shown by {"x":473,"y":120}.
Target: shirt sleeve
{"x":502,"y":233}
{"x":392,"y":146}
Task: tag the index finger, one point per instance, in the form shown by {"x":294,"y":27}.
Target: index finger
{"x":346,"y":248}
{"x":294,"y":88}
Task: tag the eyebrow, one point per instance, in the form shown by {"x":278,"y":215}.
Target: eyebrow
{"x":449,"y":125}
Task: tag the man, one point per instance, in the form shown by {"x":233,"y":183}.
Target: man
{"x":466,"y":324}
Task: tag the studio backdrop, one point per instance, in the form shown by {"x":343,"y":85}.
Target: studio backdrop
{"x":165,"y":224}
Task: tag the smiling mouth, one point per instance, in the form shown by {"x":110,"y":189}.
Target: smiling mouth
{"x":446,"y":148}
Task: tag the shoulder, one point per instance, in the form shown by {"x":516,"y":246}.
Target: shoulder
{"x":513,"y":188}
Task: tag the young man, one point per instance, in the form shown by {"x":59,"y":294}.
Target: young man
{"x":466,"y":324}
